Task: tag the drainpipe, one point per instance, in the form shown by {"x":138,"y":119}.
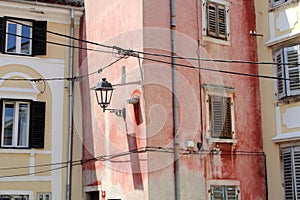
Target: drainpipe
{"x":70,"y":134}
{"x":175,"y":101}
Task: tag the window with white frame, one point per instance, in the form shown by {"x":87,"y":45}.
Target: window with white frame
{"x":224,"y":192}
{"x":287,"y":70}
{"x":23,"y":123}
{"x":22,"y":36}
{"x":290,"y":158}
{"x":219,"y":111}
{"x":216,"y":19}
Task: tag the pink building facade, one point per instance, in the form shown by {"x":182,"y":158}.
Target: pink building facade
{"x":183,"y":128}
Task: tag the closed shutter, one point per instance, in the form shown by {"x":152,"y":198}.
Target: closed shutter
{"x":220,"y":117}
{"x":292,"y":70}
{"x":212,"y":19}
{"x":216,"y":112}
{"x":287,"y":173}
{"x":216,"y":20}
{"x":1,"y":113}
{"x":221,"y":21}
{"x":37,"y":124}
{"x":280,"y":74}
{"x":2,"y":34}
{"x":297,"y":171}
{"x":39,"y":38}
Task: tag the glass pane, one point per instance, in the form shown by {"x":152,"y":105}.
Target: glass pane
{"x":23,"y":125}
{"x":11,"y":38}
{"x":8,"y":124}
{"x":26,"y":41}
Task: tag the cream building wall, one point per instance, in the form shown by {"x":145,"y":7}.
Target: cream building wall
{"x":280,"y":27}
{"x":55,"y":64}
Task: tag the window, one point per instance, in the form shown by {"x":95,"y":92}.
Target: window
{"x":288,"y":69}
{"x":224,"y":192}
{"x":94,"y":195}
{"x":216,"y":19}
{"x":277,"y":2}
{"x":290,"y":158}
{"x":14,"y":197}
{"x":23,"y":124}
{"x":21,"y":36}
{"x":43,"y":196}
{"x":220,"y":116}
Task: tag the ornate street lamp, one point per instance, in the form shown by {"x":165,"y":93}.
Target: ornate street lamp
{"x":104,"y":91}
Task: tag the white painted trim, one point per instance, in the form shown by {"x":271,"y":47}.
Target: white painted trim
{"x":40,"y":11}
{"x":286,"y":137}
{"x":15,"y":192}
{"x":272,"y":25}
{"x":32,"y":163}
{"x":92,"y":188}
{"x":278,"y":120}
{"x":26,"y":178}
{"x":25,"y":151}
{"x":273,"y":41}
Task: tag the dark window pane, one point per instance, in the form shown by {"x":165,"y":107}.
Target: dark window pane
{"x":11,"y":38}
{"x":8,"y":124}
{"x":25,"y":41}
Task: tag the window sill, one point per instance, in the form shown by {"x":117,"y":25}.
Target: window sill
{"x":215,"y":40}
{"x":212,"y":140}
{"x":24,"y":151}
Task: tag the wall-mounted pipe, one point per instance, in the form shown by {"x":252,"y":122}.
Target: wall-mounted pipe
{"x":175,"y":101}
{"x":70,"y":133}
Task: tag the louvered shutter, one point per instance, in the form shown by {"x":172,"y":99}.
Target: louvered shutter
{"x":221,"y":21}
{"x":292,"y":70}
{"x":217,"y":116}
{"x":39,"y":36}
{"x":37,"y":124}
{"x":217,"y":192}
{"x":297,"y":171}
{"x":2,"y":34}
{"x":231,"y":193}
{"x":227,"y":128}
{"x":221,"y":122}
{"x":287,"y":173}
{"x":212,"y":19}
{"x":281,"y":86}
{"x":1,"y":113}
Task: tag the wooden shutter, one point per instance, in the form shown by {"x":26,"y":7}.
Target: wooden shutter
{"x":39,"y":35}
{"x":2,"y":34}
{"x":280,"y":74}
{"x":220,"y":120}
{"x":37,"y":124}
{"x":212,"y":19}
{"x":292,"y":70}
{"x":221,"y":21}
{"x":216,"y":20}
{"x":287,"y":173}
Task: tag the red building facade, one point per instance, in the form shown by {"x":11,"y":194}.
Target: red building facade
{"x":184,"y":127}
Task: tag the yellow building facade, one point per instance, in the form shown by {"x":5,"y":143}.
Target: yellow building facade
{"x":278,"y":40}
{"x":35,"y":102}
